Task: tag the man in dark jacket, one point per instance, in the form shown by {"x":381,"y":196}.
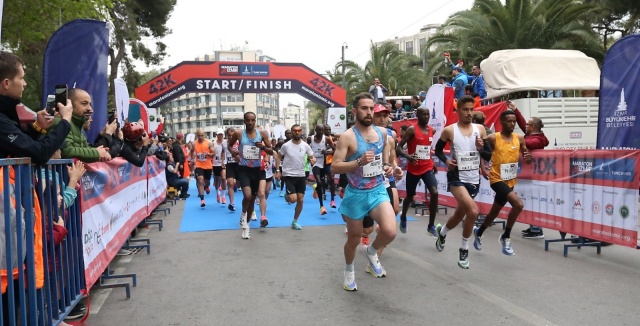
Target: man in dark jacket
{"x":26,"y":142}
{"x":136,"y":144}
{"x":178,"y":153}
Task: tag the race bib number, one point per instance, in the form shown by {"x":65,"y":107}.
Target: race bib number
{"x":508,"y":171}
{"x":251,"y":152}
{"x":423,"y":152}
{"x":374,"y":168}
{"x":468,"y":161}
{"x":318,"y":152}
{"x":230,"y":159}
{"x":201,"y":157}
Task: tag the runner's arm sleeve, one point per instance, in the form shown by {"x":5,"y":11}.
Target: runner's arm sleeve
{"x":486,"y":151}
{"x":440,"y":150}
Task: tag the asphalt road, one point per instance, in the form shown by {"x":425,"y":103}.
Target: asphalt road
{"x":287,"y":277}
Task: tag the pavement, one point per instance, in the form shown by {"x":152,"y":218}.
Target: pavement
{"x":287,"y":277}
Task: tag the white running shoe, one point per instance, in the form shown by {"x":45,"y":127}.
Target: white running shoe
{"x":350,"y":281}
{"x":374,"y":268}
{"x":246,"y":232}
{"x":253,"y":216}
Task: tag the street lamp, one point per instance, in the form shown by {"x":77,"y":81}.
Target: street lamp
{"x":344,"y":46}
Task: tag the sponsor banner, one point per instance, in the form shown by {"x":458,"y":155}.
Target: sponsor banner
{"x":337,"y":119}
{"x":222,"y":77}
{"x":157,"y":181}
{"x":619,"y":96}
{"x":114,"y":199}
{"x":567,"y":191}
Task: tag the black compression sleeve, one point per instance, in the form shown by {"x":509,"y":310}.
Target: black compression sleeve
{"x":486,"y":151}
{"x":439,"y":150}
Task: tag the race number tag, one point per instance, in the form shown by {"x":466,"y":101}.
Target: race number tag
{"x":468,"y":161}
{"x":230,"y":159}
{"x":508,"y":171}
{"x":201,"y":156}
{"x":251,"y":152}
{"x":374,"y":168}
{"x":423,"y":152}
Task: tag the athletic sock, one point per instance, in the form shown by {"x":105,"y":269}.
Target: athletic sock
{"x":444,"y":230}
{"x":349,"y":267}
{"x":507,"y":233}
{"x":465,"y":243}
{"x":371,"y":248}
{"x":224,"y":193}
{"x":481,"y":230}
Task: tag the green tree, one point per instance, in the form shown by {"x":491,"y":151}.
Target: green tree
{"x":135,"y":21}
{"x":492,"y":25}
{"x":613,"y":17}
{"x":27,"y":26}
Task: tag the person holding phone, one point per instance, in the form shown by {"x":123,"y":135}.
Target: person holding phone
{"x":378,"y":90}
{"x":76,"y":145}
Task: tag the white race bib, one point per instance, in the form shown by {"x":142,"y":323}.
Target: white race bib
{"x":201,"y":157}
{"x":374,"y":168}
{"x":508,"y":171}
{"x":251,"y":152}
{"x":423,"y":152}
{"x":468,"y":161}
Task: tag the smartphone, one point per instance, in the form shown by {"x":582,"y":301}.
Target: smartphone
{"x":61,"y":94}
{"x":51,"y":105}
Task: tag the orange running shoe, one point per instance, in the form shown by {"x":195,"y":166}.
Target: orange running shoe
{"x":365,"y":241}
{"x":323,"y":210}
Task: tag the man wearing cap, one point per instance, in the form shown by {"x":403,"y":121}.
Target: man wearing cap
{"x":219,"y":173}
{"x":422,"y":95}
{"x":459,"y":81}
{"x":178,"y":153}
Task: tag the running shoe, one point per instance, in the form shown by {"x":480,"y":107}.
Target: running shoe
{"x":477,"y":241}
{"x":323,"y":210}
{"x":295,"y":225}
{"x":243,"y":219}
{"x":246,"y":232}
{"x":333,"y":204}
{"x":264,"y":222}
{"x":341,"y":192}
{"x":441,"y":239}
{"x":506,"y":246}
{"x":231,"y":207}
{"x":253,"y":216}
{"x":315,"y":193}
{"x":207,"y":190}
{"x":527,"y":230}
{"x":374,"y":268}
{"x":432,"y":231}
{"x":218,"y":198}
{"x":281,"y":193}
{"x":202,"y":204}
{"x":365,"y":241}
{"x":350,"y":281}
{"x":403,"y":226}
{"x":533,"y":235}
{"x":224,"y":201}
{"x":463,"y":262}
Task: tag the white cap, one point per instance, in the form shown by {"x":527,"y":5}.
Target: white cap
{"x":220,"y":131}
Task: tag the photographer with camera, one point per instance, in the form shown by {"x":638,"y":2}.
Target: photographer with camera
{"x":111,"y":136}
{"x":136,"y":144}
{"x":378,"y":90}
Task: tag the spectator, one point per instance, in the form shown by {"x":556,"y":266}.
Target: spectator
{"x":378,"y":90}
{"x":459,"y":81}
{"x":26,"y":142}
{"x":477,"y":81}
{"x":111,"y":137}
{"x":178,"y":153}
{"x":76,"y":143}
{"x":479,"y":118}
{"x":442,"y":79}
{"x":422,"y":95}
{"x":397,"y":111}
{"x":468,"y":90}
{"x":19,"y":142}
{"x":174,"y":180}
{"x":535,"y":139}
{"x":136,"y":144}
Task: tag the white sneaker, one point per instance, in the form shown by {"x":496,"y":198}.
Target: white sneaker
{"x":374,"y":268}
{"x":253,"y":216}
{"x":246,"y":233}
{"x":243,"y":220}
{"x":350,"y":281}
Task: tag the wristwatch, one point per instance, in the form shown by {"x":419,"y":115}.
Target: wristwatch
{"x":359,"y":161}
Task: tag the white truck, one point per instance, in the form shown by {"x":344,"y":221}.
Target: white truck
{"x":563,"y":77}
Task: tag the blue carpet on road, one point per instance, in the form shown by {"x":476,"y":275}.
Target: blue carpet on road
{"x":216,"y":216}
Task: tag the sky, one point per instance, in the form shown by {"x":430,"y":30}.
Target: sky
{"x":308,"y":32}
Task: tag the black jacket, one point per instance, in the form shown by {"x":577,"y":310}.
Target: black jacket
{"x":178,"y":153}
{"x":133,"y":155}
{"x":27,"y":143}
{"x":114,"y":144}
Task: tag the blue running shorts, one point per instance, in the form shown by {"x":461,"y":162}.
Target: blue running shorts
{"x":357,"y":203}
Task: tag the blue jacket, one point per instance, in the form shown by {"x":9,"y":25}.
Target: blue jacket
{"x":478,"y":85}
{"x":458,"y":84}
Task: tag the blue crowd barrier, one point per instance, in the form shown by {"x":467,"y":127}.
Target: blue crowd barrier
{"x":43,"y":281}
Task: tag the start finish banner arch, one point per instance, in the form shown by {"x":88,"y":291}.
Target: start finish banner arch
{"x":240,"y":77}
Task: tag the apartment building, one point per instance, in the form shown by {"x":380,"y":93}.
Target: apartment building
{"x":211,"y":111}
{"x":296,"y":114}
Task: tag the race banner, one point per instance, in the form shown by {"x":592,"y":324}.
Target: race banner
{"x":113,"y":200}
{"x":240,"y":77}
{"x":157,"y":181}
{"x":589,"y":193}
{"x":620,"y":96}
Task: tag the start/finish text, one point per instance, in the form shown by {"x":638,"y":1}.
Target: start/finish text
{"x":242,"y":85}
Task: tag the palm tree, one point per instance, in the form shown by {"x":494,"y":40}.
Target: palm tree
{"x":491,"y":25}
{"x":398,"y":71}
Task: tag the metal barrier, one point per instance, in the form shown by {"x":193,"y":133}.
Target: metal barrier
{"x":44,"y":279}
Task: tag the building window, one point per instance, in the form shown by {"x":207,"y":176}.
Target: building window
{"x":408,"y":47}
